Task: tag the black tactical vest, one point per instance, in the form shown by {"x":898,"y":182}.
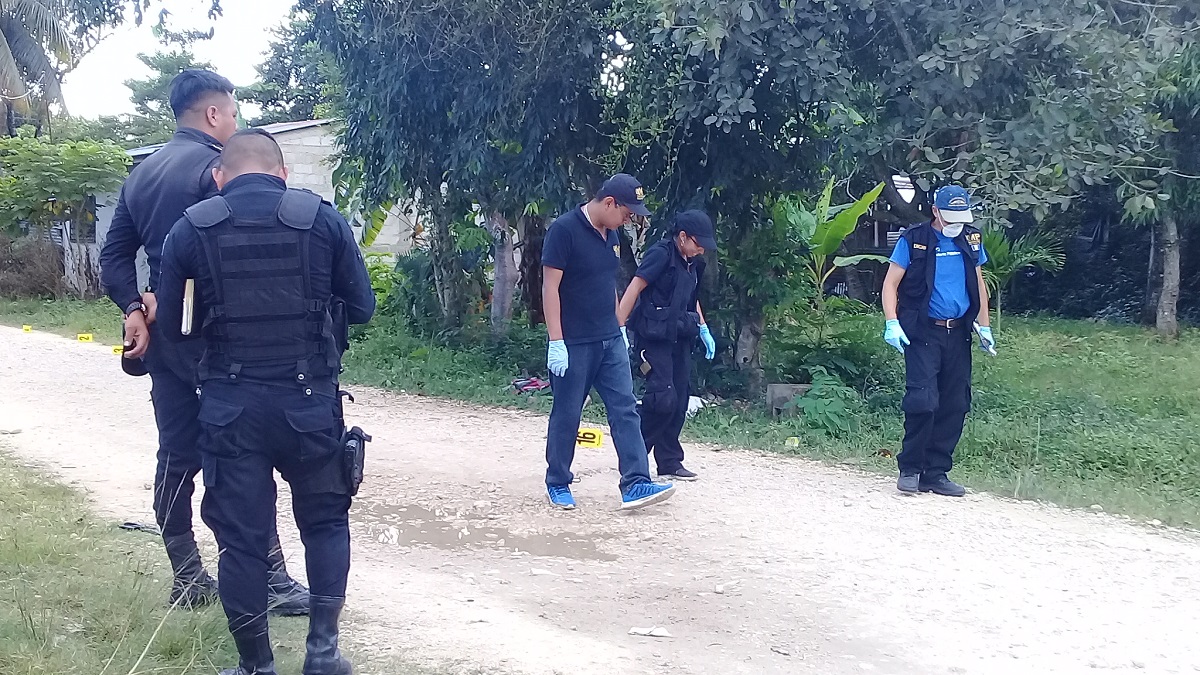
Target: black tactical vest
{"x":666,"y":310}
{"x":265,"y":315}
{"x":916,"y":288}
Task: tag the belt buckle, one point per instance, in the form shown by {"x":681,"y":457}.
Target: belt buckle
{"x":950,"y":323}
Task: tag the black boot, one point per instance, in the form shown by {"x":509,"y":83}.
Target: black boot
{"x":323,"y":657}
{"x":192,"y":586}
{"x":286,"y":596}
{"x":254,"y":656}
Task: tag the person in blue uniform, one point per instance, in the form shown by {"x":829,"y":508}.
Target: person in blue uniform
{"x":587,"y":348}
{"x":665,"y":316}
{"x":933,"y":295}
{"x":153,"y":197}
{"x":268,"y":265}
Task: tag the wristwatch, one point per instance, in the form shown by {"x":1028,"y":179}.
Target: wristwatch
{"x":135,"y":306}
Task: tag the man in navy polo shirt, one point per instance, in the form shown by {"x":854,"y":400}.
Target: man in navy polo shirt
{"x":587,"y":348}
{"x":934,"y":292}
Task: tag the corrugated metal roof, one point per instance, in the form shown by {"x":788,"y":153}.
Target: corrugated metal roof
{"x":273,"y":129}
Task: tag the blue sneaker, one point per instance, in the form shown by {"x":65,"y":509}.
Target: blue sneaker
{"x":645,"y":494}
{"x":560,"y":496}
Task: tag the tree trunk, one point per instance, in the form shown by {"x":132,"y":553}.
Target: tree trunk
{"x":533,"y":232}
{"x":855,"y":289}
{"x":747,"y":354}
{"x":1154,"y":279}
{"x":504,"y":272}
{"x":447,"y":272}
{"x":1166,"y":319}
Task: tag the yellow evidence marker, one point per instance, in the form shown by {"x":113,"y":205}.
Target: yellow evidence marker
{"x":590,"y":438}
{"x":84,"y":337}
{"x":118,"y":349}
{"x":27,"y":329}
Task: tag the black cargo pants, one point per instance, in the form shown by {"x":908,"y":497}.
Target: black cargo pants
{"x":937,"y":396}
{"x":247,"y":431}
{"x":665,"y":399}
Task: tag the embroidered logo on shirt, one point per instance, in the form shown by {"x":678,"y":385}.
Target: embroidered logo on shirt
{"x":920,"y":247}
{"x":617,"y":250}
{"x":973,"y":239}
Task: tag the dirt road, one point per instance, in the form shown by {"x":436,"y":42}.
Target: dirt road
{"x":768,"y":565}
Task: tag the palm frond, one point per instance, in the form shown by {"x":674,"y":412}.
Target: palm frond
{"x":31,"y":58}
{"x":12,"y":80}
{"x":43,"y":19}
{"x":1007,"y":257}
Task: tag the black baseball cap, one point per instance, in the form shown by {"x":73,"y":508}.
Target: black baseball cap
{"x":626,"y":191}
{"x":698,"y":226}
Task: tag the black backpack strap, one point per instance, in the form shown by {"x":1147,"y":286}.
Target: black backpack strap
{"x":209,"y":212}
{"x":298,"y":209}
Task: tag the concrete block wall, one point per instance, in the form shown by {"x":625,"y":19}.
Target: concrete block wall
{"x":307,"y":153}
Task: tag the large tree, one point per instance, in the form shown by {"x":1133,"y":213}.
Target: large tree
{"x":297,"y":80}
{"x":465,"y":106}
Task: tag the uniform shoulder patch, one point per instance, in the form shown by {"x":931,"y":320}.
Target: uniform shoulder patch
{"x":920,"y":247}
{"x":974,"y":238}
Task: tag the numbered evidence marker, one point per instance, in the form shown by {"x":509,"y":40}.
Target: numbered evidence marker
{"x":84,"y":337}
{"x":118,"y":349}
{"x":27,"y":329}
{"x":590,"y":438}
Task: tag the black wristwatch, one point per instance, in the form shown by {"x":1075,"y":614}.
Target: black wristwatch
{"x":135,"y":306}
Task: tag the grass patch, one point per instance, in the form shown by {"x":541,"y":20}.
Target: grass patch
{"x":79,"y":596}
{"x":65,"y":317}
{"x":1073,"y":412}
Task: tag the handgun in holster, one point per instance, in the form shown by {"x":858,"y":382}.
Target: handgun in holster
{"x":354,"y":448}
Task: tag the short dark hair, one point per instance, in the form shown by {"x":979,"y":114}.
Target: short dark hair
{"x":192,"y":85}
{"x":251,"y":151}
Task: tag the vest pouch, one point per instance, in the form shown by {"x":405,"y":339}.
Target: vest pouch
{"x":689,"y":326}
{"x":220,"y":434}
{"x":315,"y":427}
{"x":657,"y":323}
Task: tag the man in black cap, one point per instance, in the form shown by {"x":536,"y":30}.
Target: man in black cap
{"x":587,"y":347}
{"x":155,"y":196}
{"x":666,"y":320}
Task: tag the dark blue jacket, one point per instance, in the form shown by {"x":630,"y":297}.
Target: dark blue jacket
{"x":336,"y":263}
{"x":155,"y":196}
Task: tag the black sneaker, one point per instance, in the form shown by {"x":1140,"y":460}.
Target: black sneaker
{"x":941,"y":485}
{"x":679,"y":474}
{"x":909,"y":482}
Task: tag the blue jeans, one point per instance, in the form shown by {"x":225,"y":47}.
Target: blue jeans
{"x":605,"y":366}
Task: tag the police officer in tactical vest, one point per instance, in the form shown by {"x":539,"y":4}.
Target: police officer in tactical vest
{"x":153,"y":198}
{"x":665,"y":317}
{"x":932,"y":296}
{"x":269,"y":264}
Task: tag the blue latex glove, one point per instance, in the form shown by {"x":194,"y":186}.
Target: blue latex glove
{"x":625,"y":336}
{"x":894,"y":335}
{"x":987,"y":343}
{"x":710,"y":345}
{"x":556,"y":357}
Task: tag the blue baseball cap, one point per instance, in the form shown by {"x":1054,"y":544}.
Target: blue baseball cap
{"x":698,"y":226}
{"x":626,"y":191}
{"x":954,"y":204}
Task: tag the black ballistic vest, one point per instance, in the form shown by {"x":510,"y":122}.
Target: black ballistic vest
{"x":266,"y":320}
{"x":916,"y":288}
{"x":666,"y":310}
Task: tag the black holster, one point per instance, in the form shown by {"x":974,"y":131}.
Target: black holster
{"x":354,"y":449}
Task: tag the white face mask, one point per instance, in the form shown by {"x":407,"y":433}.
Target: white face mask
{"x":952,"y":230}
